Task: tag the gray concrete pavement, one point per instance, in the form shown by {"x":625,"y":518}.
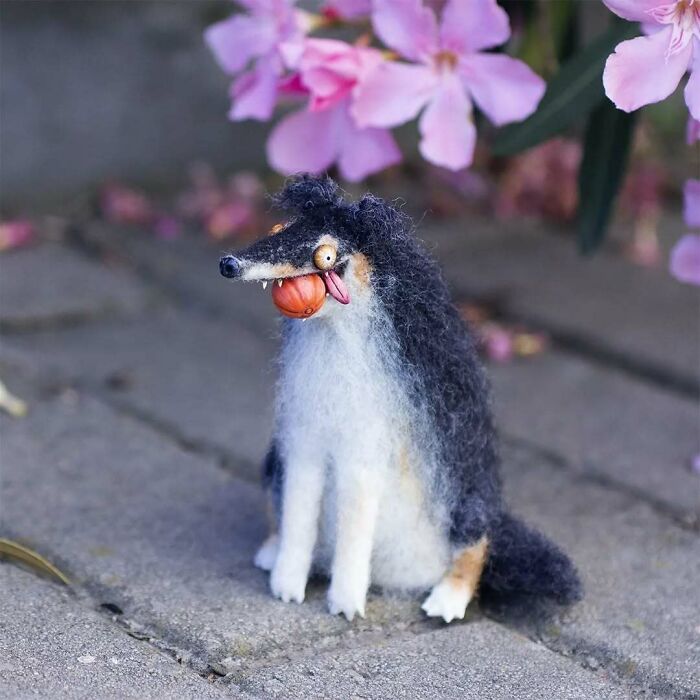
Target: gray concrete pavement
{"x":140,"y":482}
{"x":54,"y":646}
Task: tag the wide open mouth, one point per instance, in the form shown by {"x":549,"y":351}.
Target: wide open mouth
{"x":295,"y":293}
{"x":332,"y":280}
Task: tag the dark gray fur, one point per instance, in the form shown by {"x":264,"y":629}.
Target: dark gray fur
{"x":443,"y":376}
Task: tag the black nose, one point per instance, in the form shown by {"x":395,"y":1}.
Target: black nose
{"x":229,"y":266}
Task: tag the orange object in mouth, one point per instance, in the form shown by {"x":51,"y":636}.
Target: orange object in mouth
{"x":299,"y":297}
{"x":303,"y":296}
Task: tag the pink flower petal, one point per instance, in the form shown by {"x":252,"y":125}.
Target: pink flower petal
{"x":691,"y":203}
{"x":506,"y":89}
{"x":685,"y":260}
{"x":470,"y":26}
{"x":236,"y":40}
{"x":365,"y":151}
{"x":639,"y":73}
{"x":692,"y":88}
{"x":329,"y":69}
{"x":692,"y":131}
{"x":406,"y":26}
{"x":304,"y":142}
{"x":349,"y":9}
{"x":447,"y":131}
{"x":392,"y":94}
{"x":634,"y":10}
{"x":254,"y":93}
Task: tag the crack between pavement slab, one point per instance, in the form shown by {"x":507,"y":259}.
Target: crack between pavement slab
{"x":593,"y":350}
{"x":179,"y":295}
{"x":98,"y":598}
{"x":595,"y":657}
{"x":681,"y":518}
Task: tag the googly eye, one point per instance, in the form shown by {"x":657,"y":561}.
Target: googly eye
{"x":324,"y":257}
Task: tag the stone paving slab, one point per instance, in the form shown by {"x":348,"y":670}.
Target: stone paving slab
{"x":168,"y":537}
{"x":53,"y":284}
{"x":640,"y":313}
{"x":640,"y":572}
{"x":213,"y":382}
{"x":188,"y":268}
{"x":52,"y":646}
{"x":208,"y":382}
{"x":605,"y":424}
{"x":480,"y":660}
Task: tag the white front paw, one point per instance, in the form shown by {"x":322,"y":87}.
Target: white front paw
{"x":288,"y":583}
{"x":447,"y":600}
{"x":266,"y":556}
{"x":346,"y":601}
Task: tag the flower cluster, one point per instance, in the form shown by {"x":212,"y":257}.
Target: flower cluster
{"x":353,"y":94}
{"x":648,"y":69}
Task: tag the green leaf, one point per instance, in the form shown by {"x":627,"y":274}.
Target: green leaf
{"x":606,"y":151}
{"x":572,"y":93}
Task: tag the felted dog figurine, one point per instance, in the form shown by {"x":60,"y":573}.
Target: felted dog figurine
{"x":383,"y":467}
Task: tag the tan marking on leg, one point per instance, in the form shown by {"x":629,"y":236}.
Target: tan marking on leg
{"x":361,"y":269}
{"x":468,"y":565}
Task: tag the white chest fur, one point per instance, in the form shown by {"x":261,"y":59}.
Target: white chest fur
{"x":340,"y":402}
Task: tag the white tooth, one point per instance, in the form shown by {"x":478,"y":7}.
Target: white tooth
{"x":304,"y":319}
{"x":279,"y":283}
{"x":264,"y":284}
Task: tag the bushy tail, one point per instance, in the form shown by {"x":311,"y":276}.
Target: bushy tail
{"x":524,"y":562}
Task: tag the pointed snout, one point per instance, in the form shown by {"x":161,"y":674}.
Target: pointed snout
{"x":229,"y":267}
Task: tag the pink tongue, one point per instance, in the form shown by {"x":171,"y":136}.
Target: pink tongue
{"x":336,"y":287}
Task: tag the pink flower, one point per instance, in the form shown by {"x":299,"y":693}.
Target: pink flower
{"x":648,"y":69}
{"x":449,"y":71}
{"x":271,"y":37}
{"x":313,"y":139}
{"x":692,"y":132}
{"x":685,"y":259}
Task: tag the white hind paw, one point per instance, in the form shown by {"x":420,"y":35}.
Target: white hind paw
{"x":448,"y":601}
{"x":267,"y":554}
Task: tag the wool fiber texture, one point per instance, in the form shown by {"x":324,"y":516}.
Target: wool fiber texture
{"x":442,"y":395}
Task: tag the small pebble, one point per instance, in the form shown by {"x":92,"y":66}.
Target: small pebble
{"x":86,"y":659}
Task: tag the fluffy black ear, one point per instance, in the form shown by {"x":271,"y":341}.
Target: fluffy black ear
{"x":310,"y":195}
{"x":376,"y":219}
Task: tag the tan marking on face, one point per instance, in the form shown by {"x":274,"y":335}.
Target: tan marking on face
{"x":327,"y":239}
{"x":361,"y":269}
{"x":468,"y":566}
{"x":276,"y":229}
